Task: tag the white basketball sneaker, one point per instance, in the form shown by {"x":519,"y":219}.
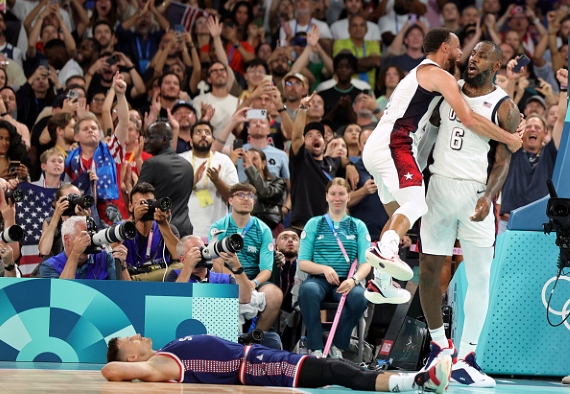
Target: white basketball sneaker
{"x":467,"y":372}
{"x":390,"y":294}
{"x":386,"y":260}
{"x":435,"y":379}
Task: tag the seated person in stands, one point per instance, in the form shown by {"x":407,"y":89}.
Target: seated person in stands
{"x":74,"y":263}
{"x":150,"y":252}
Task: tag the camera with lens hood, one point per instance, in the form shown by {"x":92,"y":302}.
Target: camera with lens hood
{"x":163,"y":204}
{"x":230,"y":244}
{"x":86,"y":201}
{"x":116,"y":233}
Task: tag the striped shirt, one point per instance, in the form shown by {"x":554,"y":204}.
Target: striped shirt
{"x":319,"y":245}
{"x":257,"y":252}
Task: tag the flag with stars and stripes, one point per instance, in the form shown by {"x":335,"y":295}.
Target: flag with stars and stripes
{"x":182,"y":14}
{"x":30,"y":215}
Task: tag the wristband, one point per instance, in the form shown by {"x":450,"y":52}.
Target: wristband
{"x":4,"y":114}
{"x":256,"y":283}
{"x":282,"y":109}
{"x":236,"y":272}
{"x":350,"y":163}
{"x":376,"y":111}
{"x":9,"y":267}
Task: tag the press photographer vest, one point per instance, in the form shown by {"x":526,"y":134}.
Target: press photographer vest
{"x":96,"y":266}
{"x":137,"y":255}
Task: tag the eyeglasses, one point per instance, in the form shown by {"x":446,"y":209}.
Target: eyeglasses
{"x":218,"y":70}
{"x":98,"y":100}
{"x":243,"y":196}
{"x":254,"y":71}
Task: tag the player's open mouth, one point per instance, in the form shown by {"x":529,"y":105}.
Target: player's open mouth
{"x":471,"y":69}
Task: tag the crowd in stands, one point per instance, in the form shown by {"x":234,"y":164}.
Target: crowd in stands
{"x":210,"y":113}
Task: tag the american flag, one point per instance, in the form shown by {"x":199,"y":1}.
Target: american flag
{"x":30,"y":215}
{"x":487,"y":104}
{"x":182,"y":14}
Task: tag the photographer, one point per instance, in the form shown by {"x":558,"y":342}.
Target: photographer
{"x":189,"y":252}
{"x":151,"y":252}
{"x":9,"y":253}
{"x":74,"y":263}
{"x":51,"y":242}
{"x":257,"y":253}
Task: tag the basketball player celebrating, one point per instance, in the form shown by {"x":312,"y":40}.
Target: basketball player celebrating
{"x":212,"y":360}
{"x":390,"y":153}
{"x":460,"y":206}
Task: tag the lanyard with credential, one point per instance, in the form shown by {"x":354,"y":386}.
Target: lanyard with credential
{"x":146,"y":54}
{"x":247,"y":227}
{"x":341,"y":246}
{"x":206,"y":172}
{"x":297,"y":26}
{"x":148,"y":245}
{"x":362,"y":76}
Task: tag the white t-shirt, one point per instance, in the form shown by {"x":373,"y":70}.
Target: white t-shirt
{"x":70,"y":69}
{"x":225,"y":108}
{"x":339,"y":31}
{"x":203,"y":217}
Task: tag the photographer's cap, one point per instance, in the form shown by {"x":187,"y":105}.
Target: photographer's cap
{"x":298,"y":76}
{"x":182,"y":103}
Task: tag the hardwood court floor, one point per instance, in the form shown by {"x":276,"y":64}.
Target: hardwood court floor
{"x":58,"y":378}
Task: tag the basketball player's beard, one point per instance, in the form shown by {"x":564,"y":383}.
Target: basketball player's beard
{"x":451,"y":66}
{"x":478,"y":80}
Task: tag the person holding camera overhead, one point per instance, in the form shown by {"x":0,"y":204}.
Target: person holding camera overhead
{"x":151,"y":251}
{"x":329,"y":245}
{"x":9,"y":252}
{"x":256,"y":256}
{"x":78,"y":262}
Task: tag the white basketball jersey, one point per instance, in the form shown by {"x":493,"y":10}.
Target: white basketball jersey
{"x":408,"y":110}
{"x":459,"y":152}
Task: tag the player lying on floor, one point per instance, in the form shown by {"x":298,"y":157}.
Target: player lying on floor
{"x":212,"y":360}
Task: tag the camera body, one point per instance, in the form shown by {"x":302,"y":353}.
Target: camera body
{"x":558,"y":211}
{"x":116,"y":233}
{"x":163,"y":204}
{"x":85,"y":201}
{"x":16,"y":195}
{"x":231,"y":244}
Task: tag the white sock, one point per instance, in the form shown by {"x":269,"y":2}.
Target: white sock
{"x":401,"y":382}
{"x":465,"y":347}
{"x":391,"y":240}
{"x":438,"y":336}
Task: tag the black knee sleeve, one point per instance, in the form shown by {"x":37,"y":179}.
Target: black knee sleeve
{"x":318,"y":373}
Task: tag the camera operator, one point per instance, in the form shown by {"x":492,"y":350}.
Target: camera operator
{"x":151,"y":252}
{"x":189,"y":252}
{"x":51,"y":243}
{"x":257,"y":253}
{"x":9,"y":252}
{"x":74,"y":263}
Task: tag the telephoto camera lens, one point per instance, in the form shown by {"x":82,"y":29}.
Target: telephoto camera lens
{"x":14,"y":233}
{"x":231,"y":244}
{"x":15,"y":195}
{"x":115,"y":233}
{"x":163,"y":204}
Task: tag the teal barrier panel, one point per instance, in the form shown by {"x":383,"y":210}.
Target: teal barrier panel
{"x":55,"y":320}
{"x":516,"y":337}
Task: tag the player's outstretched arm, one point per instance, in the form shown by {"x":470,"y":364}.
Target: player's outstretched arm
{"x":509,"y":119}
{"x":443,"y":82}
{"x":157,"y":369}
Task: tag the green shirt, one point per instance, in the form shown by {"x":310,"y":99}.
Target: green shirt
{"x":319,"y":245}
{"x":257,"y":252}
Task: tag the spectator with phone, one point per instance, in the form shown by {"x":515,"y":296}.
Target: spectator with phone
{"x":12,"y":153}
